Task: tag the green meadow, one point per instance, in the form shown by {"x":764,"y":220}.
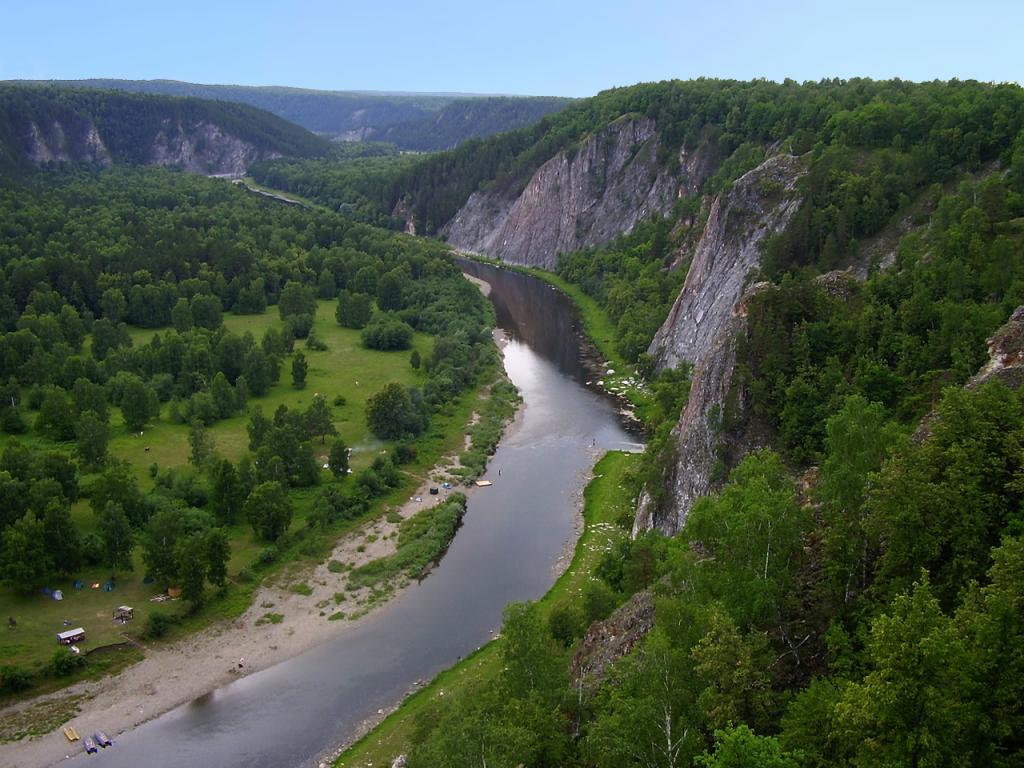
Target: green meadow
{"x":344,"y":369}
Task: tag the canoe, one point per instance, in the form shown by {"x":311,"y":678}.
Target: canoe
{"x":71,"y":734}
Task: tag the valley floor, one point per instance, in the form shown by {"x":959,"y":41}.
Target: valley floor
{"x":281,"y":623}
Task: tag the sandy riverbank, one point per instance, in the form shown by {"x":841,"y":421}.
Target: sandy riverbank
{"x":173,"y":674}
{"x":281,"y":623}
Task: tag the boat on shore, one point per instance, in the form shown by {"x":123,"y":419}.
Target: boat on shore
{"x":89,"y":745}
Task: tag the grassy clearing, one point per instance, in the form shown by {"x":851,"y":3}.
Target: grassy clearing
{"x":608,"y":496}
{"x":346,"y":369}
{"x":248,"y":181}
{"x":39,"y":718}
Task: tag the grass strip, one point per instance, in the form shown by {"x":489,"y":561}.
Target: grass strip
{"x":608,"y":495}
{"x":422,"y":539}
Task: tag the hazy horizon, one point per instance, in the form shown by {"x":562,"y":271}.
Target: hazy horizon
{"x":533,"y":48}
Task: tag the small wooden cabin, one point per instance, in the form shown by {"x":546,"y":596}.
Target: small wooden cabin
{"x":76,"y":635}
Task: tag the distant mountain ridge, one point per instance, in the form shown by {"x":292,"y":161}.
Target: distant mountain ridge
{"x":415,"y":121}
{"x":50,"y":125}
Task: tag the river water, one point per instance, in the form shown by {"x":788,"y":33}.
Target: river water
{"x":507,"y":549}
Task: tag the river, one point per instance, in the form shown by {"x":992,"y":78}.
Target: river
{"x":506,"y":550}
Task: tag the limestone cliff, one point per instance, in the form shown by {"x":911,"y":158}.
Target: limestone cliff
{"x":52,"y":126}
{"x":52,"y":144}
{"x":200,"y":147}
{"x":205,"y":148}
{"x":1005,"y":364}
{"x":703,"y":327}
{"x":577,"y":199}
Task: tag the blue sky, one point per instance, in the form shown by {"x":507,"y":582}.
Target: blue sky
{"x":518,"y":46}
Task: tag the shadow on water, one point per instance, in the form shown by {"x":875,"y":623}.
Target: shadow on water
{"x":507,"y":548}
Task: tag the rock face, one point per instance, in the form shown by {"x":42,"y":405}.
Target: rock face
{"x":703,"y":327}
{"x":52,"y":144}
{"x":759,"y":204}
{"x":205,"y":148}
{"x":200,"y":147}
{"x":608,"y":641}
{"x":579,"y":199}
{"x":1006,"y":355}
{"x":1005,"y":365}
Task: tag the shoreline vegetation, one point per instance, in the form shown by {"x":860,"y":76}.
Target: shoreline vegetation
{"x":392,"y":363}
{"x":296,"y":606}
{"x":607,"y":498}
{"x":600,"y":331}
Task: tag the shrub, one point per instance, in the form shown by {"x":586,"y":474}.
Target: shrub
{"x":157,"y":625}
{"x":268,"y":555}
{"x":387,"y":332}
{"x":565,"y":624}
{"x":315,"y":343}
{"x":65,"y":663}
{"x":404,"y":453}
{"x":300,"y":325}
{"x":598,"y":602}
{"x":14,"y":678}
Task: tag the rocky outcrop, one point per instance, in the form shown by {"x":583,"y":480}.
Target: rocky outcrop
{"x":759,"y":204}
{"x":200,"y":147}
{"x":53,"y":144}
{"x":608,"y":641}
{"x":1006,"y":355}
{"x":578,"y":199}
{"x":1005,"y":365}
{"x":703,"y":327}
{"x":204,"y":148}
{"x":698,"y":436}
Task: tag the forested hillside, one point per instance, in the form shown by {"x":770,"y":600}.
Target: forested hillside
{"x":328,"y":112}
{"x":468,"y":118}
{"x":912,"y":134}
{"x":847,"y":589}
{"x":415,"y":121}
{"x":40,"y":126}
{"x":149,"y":322}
